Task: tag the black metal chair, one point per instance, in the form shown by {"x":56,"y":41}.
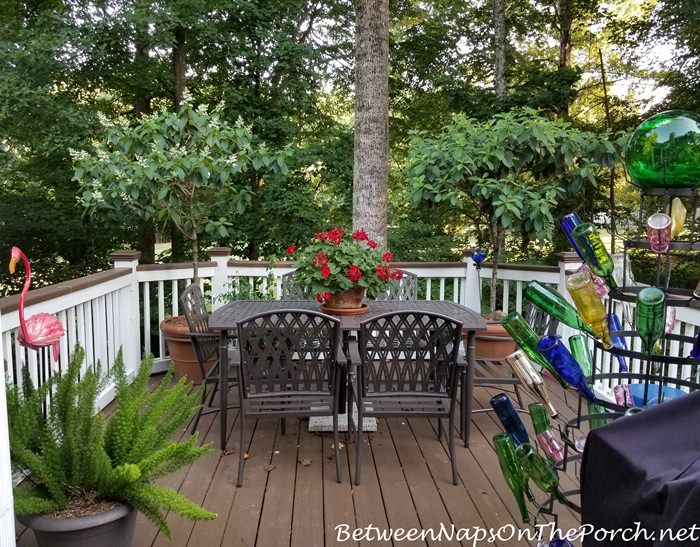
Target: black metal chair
{"x":289,"y":368}
{"x":409,"y":366}
{"x":404,"y":289}
{"x":206,"y":348}
{"x":291,"y":290}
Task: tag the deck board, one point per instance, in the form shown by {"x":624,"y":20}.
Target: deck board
{"x":406,"y":483}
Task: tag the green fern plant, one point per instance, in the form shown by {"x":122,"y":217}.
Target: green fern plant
{"x":72,"y":452}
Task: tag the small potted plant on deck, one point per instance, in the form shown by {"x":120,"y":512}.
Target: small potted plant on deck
{"x":341,"y":270}
{"x":86,"y":476}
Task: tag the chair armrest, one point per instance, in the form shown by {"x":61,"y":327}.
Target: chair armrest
{"x":461,"y":361}
{"x":202,"y":335}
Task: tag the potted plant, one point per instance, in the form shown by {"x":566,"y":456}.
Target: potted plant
{"x":342,"y":270}
{"x":189,"y":168}
{"x":508,"y":172}
{"x":86,"y":476}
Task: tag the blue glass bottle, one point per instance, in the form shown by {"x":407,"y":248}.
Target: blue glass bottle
{"x":509,"y":418}
{"x":564,"y":363}
{"x":618,"y":341}
{"x":568,"y":223}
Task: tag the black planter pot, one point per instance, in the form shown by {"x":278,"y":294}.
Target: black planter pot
{"x":114,"y":528}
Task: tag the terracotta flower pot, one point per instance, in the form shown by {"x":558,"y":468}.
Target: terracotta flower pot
{"x":495,"y":343}
{"x":180,"y":349}
{"x":345,"y":302}
{"x":114,"y":528}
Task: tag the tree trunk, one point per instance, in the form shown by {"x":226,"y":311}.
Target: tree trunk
{"x":179,"y":65}
{"x":179,"y":73}
{"x":499,"y":48}
{"x":496,"y":238}
{"x":371,"y":147}
{"x":147,"y":242}
{"x":565,"y":23}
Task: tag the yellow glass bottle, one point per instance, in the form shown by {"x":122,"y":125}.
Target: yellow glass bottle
{"x":589,"y":305}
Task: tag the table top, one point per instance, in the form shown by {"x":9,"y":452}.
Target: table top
{"x":228,"y":316}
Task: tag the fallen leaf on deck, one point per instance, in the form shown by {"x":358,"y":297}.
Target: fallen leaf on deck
{"x":340,"y":445}
{"x":305,"y":461}
{"x":228,"y":451}
{"x":269,"y":467}
{"x":246,"y":455}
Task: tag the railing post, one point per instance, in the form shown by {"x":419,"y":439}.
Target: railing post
{"x":130,"y":319}
{"x":471,"y":289}
{"x":219,"y":283}
{"x":7,"y":516}
{"x":567,"y":262}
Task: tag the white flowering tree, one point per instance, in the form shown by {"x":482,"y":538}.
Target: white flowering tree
{"x":185,"y":167}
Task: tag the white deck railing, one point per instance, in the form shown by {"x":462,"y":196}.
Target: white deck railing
{"x":123,"y":307}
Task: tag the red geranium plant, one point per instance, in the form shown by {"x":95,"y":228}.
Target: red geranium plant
{"x":334,"y":262}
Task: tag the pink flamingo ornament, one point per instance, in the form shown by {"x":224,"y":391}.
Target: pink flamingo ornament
{"x":42,"y":329}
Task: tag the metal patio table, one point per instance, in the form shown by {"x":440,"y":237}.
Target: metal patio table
{"x":227,"y":317}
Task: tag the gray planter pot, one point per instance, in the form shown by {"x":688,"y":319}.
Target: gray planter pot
{"x":114,"y":528}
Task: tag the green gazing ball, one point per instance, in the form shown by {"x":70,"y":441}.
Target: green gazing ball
{"x":664,"y":151}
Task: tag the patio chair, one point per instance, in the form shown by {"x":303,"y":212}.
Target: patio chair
{"x":404,"y":289}
{"x":289,"y":368}
{"x":409,"y":366}
{"x":206,"y":348}
{"x":291,"y":290}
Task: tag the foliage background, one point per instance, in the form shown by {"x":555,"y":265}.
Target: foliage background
{"x":285,"y":68}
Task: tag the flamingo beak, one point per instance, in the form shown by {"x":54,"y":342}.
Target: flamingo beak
{"x":13,"y":262}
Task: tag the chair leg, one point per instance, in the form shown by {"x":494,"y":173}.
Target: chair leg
{"x":284,"y":426}
{"x":241,"y":448}
{"x":213,"y":392}
{"x":439,"y":429}
{"x":195,"y":423}
{"x":451,"y":442}
{"x":358,"y":443}
{"x":336,"y":444}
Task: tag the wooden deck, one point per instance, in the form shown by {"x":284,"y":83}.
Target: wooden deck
{"x":290,"y":496}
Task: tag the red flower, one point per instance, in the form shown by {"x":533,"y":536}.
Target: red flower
{"x":325,"y":271}
{"x":335,"y":234}
{"x":372,"y":244}
{"x":321,"y":236}
{"x":320,"y":259}
{"x":396,"y":274}
{"x":382,"y":272}
{"x":387,"y":257}
{"x":319,"y":297}
{"x":360,"y":235}
{"x":323,"y":297}
{"x":354,"y":273}
{"x":291,"y":249}
{"x":327,"y":296}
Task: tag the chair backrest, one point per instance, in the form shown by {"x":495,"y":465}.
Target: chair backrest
{"x":409,"y":351}
{"x":404,"y":288}
{"x":291,"y":290}
{"x":192,"y":302}
{"x":286,"y":351}
{"x":540,"y":321}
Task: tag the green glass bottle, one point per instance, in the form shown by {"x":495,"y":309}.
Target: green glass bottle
{"x":594,"y":252}
{"x":512,"y":473}
{"x":579,"y":349}
{"x":527,"y":340}
{"x":537,"y":468}
{"x":650,"y":316}
{"x":552,"y":302}
{"x":588,"y":303}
